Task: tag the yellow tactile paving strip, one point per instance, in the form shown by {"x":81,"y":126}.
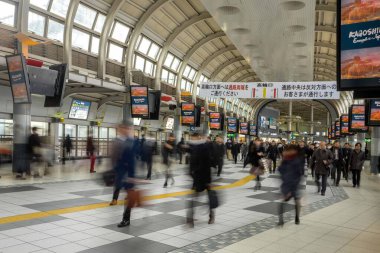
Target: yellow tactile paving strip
{"x":38,"y":215}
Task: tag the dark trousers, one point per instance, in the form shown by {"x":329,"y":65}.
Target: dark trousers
{"x":339,"y":171}
{"x":190,"y":212}
{"x":324,"y":181}
{"x":345,"y":170}
{"x":356,"y":177}
{"x":149,"y":167}
{"x":180,"y":157}
{"x":272,"y":162}
{"x":281,"y":210}
{"x":235,"y":157}
{"x":116,"y":193}
{"x":220,"y":166}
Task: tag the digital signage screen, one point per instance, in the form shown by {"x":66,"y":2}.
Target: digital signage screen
{"x":243,"y":128}
{"x":187,"y":114}
{"x":18,"y":78}
{"x":329,"y":133}
{"x":232,"y":125}
{"x":79,"y":109}
{"x":333,"y":132}
{"x":373,"y":112}
{"x":215,"y":120}
{"x":358,"y":44}
{"x":139,"y":102}
{"x":252,"y":129}
{"x":344,"y":125}
{"x":272,"y":123}
{"x":337,"y":129}
{"x":169,"y":123}
{"x":357,"y":119}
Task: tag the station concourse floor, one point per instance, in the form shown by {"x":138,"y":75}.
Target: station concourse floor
{"x":68,"y":211}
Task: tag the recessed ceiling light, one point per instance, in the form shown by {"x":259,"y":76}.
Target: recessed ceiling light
{"x":299,"y":44}
{"x":293,"y":5}
{"x":297,"y":28}
{"x":301,"y":56}
{"x":228,"y":10}
{"x":241,"y":31}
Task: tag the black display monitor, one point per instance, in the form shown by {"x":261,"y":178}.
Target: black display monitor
{"x":79,"y":109}
{"x":60,"y":84}
{"x":139,"y":102}
{"x":243,"y":128}
{"x":154,"y":104}
{"x":358,"y":46}
{"x":357,"y":122}
{"x":344,"y":125}
{"x":373,"y":112}
{"x":232,"y":125}
{"x":215,"y":121}
{"x":188,"y":114}
{"x":337,"y":129}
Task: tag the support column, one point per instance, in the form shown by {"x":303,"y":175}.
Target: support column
{"x":177,"y":124}
{"x":375,"y":150}
{"x":312,"y":123}
{"x":328,"y":119}
{"x":290,"y":119}
{"x":54,"y":135}
{"x":21,"y":132}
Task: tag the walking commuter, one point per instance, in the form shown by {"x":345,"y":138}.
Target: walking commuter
{"x":356,"y":163}
{"x":291,"y":170}
{"x":167,"y":155}
{"x":200,"y":171}
{"x":229,"y":149}
{"x":320,"y":162}
{"x":147,"y":154}
{"x":243,"y":151}
{"x":338,"y":162}
{"x":180,"y":149}
{"x":117,"y":149}
{"x":303,"y":150}
{"x":235,"y":150}
{"x":219,"y":154}
{"x":255,"y":154}
{"x":125,"y":171}
{"x":34,"y":144}
{"x":272,"y":154}
{"x":90,"y":149}
{"x":68,"y":146}
{"x":346,"y":157}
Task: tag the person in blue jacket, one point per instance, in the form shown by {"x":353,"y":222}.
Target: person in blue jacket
{"x":291,"y":171}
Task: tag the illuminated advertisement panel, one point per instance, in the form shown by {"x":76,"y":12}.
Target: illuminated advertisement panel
{"x":357,"y":119}
{"x":373,"y":112}
{"x":243,"y":129}
{"x":337,"y":129}
{"x":344,"y":125}
{"x":79,"y":109}
{"x":231,"y":125}
{"x":252,"y":129}
{"x":18,"y":78}
{"x":139,"y":102}
{"x":187,"y":114}
{"x":215,"y":120}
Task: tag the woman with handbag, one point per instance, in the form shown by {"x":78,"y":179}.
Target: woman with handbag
{"x":255,"y":154}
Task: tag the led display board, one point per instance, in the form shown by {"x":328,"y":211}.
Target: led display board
{"x":357,"y":119}
{"x":337,"y":129}
{"x":139,"y":102}
{"x":215,"y":119}
{"x":187,"y":114}
{"x":232,"y":125}
{"x":18,"y":79}
{"x":344,"y":125}
{"x":79,"y":109}
{"x":373,"y":112}
{"x":252,"y":128}
{"x":243,"y":129}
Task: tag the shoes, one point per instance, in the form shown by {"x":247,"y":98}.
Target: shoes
{"x":280,"y":224}
{"x":323,"y":194}
{"x":123,"y":223}
{"x":297,"y":221}
{"x":190,"y":222}
{"x":113,"y":202}
{"x":336,"y":185}
{"x":212,"y":218}
{"x":165,"y":185}
{"x":358,"y":186}
{"x":354,"y":186}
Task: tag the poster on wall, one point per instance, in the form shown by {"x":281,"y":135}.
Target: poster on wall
{"x":252,"y":129}
{"x":215,"y":121}
{"x":337,"y":129}
{"x":358,"y":44}
{"x":187,"y":114}
{"x":344,"y":125}
{"x":243,"y":129}
{"x":139,"y":102}
{"x":79,"y":109}
{"x":231,"y":125}
{"x":373,"y":112}
{"x":357,"y":119}
{"x":18,"y":78}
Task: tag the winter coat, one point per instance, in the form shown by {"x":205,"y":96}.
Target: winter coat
{"x":200,"y":165}
{"x":291,"y":171}
{"x":272,"y":152}
{"x":356,"y":160}
{"x":317,"y":161}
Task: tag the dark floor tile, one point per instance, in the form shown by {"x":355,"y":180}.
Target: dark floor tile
{"x":19,"y":189}
{"x":45,"y":206}
{"x":173,"y":206}
{"x":270,"y":208}
{"x":92,"y":193}
{"x":271,"y":196}
{"x":266,"y":188}
{"x":26,"y":223}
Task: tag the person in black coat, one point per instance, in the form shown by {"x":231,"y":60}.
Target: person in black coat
{"x":291,"y":171}
{"x":235,"y":150}
{"x":272,"y":154}
{"x":219,"y":154}
{"x":147,"y":151}
{"x":338,"y":162}
{"x":320,"y":162}
{"x":200,"y":171}
{"x":168,"y":152}
{"x":346,"y":157}
{"x":356,"y":163}
{"x":68,"y":145}
{"x":255,"y":153}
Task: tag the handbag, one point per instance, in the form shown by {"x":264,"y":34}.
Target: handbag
{"x":134,"y":198}
{"x":258,"y":171}
{"x":213,"y":199}
{"x":109,"y":177}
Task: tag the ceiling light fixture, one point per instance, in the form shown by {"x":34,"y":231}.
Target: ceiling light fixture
{"x":293,"y":5}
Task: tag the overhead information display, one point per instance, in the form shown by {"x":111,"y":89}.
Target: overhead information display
{"x":215,"y":120}
{"x":139,"y":102}
{"x":243,"y":128}
{"x":373,"y":112}
{"x":358,"y":44}
{"x":79,"y":109}
{"x":357,"y":119}
{"x":252,"y":128}
{"x":187,"y":114}
{"x":344,"y":125}
{"x":271,"y":90}
{"x":231,"y":125}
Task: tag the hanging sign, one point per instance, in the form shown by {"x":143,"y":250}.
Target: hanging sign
{"x":358,"y":44}
{"x":215,"y":120}
{"x":243,"y":129}
{"x":252,"y":128}
{"x":357,"y":119}
{"x":271,"y":90}
{"x":329,"y":136}
{"x":231,"y":125}
{"x":344,"y":125}
{"x":187,"y":114}
{"x":18,"y":78}
{"x":139,"y":102}
{"x":337,"y":129}
{"x":373,"y":112}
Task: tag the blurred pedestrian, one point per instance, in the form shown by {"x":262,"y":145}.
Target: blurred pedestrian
{"x":34,"y":144}
{"x":243,"y":151}
{"x":90,"y":150}
{"x":272,"y":154}
{"x":147,"y":154}
{"x":235,"y":150}
{"x":291,"y":171}
{"x":320,"y":162}
{"x":67,"y":145}
{"x":200,"y":171}
{"x":180,"y":149}
{"x":337,"y":162}
{"x":219,"y":154}
{"x":356,"y":163}
{"x":229,"y":149}
{"x":255,"y":154}
{"x":346,"y":157}
{"x":167,"y":155}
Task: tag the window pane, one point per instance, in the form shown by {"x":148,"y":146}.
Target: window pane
{"x":183,"y":84}
{"x":7,"y":13}
{"x":149,"y":68}
{"x":60,"y":7}
{"x":103,"y":132}
{"x":80,"y":39}
{"x":55,"y":30}
{"x":153,"y":52}
{"x":85,"y":16}
{"x":175,"y":64}
{"x":82,"y":131}
{"x":115,"y":52}
{"x":120,"y":32}
{"x":95,"y":45}
{"x":168,"y":60}
{"x":172,"y":78}
{"x":43,"y":4}
{"x":111,"y":133}
{"x":139,"y":63}
{"x":192,"y":74}
{"x":36,"y":23}
{"x":164,"y":75}
{"x":197,"y":90}
{"x":144,"y":46}
{"x":99,"y":23}
{"x":187,"y":71}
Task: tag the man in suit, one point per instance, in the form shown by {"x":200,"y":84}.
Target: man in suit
{"x":320,"y":161}
{"x":338,"y":162}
